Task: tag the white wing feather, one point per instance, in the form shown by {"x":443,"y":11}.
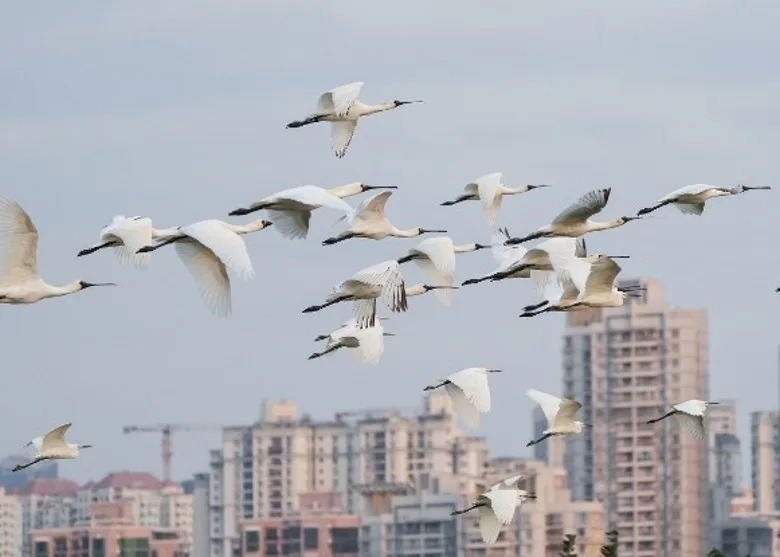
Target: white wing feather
{"x":55,"y":439}
{"x":503,"y":502}
{"x":474,"y":384}
{"x":293,"y":225}
{"x":568,"y":409}
{"x":209,"y":273}
{"x":489,"y":526}
{"x":371,"y":343}
{"x":693,"y":189}
{"x":463,"y":407}
{"x":340,"y":99}
{"x":18,"y":245}
{"x":438,"y":265}
{"x":585,"y":207}
{"x":690,"y":208}
{"x":694,"y":424}
{"x":341,"y":136}
{"x":549,"y":404}
{"x":487,"y":188}
{"x":134,"y":234}
{"x":225,"y":244}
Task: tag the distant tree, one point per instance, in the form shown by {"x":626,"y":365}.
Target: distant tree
{"x":714,"y":552}
{"x":610,"y":549}
{"x":569,"y":546}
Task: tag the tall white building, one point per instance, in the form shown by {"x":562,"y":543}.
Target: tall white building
{"x":261,"y":469}
{"x":10,"y":525}
{"x":627,"y":365}
{"x":763,"y":460}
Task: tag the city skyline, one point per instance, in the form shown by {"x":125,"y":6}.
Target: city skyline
{"x":130,"y":109}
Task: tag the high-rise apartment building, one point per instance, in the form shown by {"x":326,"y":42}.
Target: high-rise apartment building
{"x":261,"y":469}
{"x":763,"y":460}
{"x":10,"y":525}
{"x":725,"y":452}
{"x":627,"y":365}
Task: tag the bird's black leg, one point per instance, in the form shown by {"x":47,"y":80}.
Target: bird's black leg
{"x":23,"y":466}
{"x":323,"y":306}
{"x":654,"y":420}
{"x":542,"y":438}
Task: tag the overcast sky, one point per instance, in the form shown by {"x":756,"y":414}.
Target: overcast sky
{"x":177,"y":111}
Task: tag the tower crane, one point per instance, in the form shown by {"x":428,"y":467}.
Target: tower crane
{"x":167,"y":439}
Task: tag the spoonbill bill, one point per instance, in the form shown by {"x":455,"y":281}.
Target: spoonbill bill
{"x":343,"y":109}
{"x":575,"y":220}
{"x":490,"y":190}
{"x":209,"y":248}
{"x":52,"y":446}
{"x":369,"y":221}
{"x":126,"y":235}
{"x":290,"y":210}
{"x":383,"y":280}
{"x":497,"y":505}
{"x":366,"y":345}
{"x":436,"y":256}
{"x":559,"y":413}
{"x":690,"y":200}
{"x":691,"y":416}
{"x":469,"y":391}
{"x":19,"y":279}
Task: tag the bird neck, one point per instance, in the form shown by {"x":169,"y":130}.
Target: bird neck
{"x":405,"y":233}
{"x":161,"y":232}
{"x":614,"y":223}
{"x":374,"y":108}
{"x":70,"y":288}
{"x":347,"y":190}
{"x":465,"y":248}
{"x":512,"y":190}
{"x":415,"y":290}
{"x":253,"y":226}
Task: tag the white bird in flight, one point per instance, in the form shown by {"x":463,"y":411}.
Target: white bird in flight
{"x":342,"y":108}
{"x":126,"y":235}
{"x":209,"y":248}
{"x":436,"y":256}
{"x":52,"y":446}
{"x":559,"y":413}
{"x":575,"y":220}
{"x":497,"y":507}
{"x":690,"y":200}
{"x":19,"y":279}
{"x":599,"y":289}
{"x":383,"y":280}
{"x":367,"y":344}
{"x":691,"y":416}
{"x":506,"y":256}
{"x":290,"y":210}
{"x":469,"y":391}
{"x":369,"y":221}
{"x":490,"y":190}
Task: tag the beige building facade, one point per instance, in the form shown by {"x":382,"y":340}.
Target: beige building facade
{"x":627,"y":365}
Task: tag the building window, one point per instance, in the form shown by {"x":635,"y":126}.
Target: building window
{"x":98,"y":547}
{"x":252,"y":541}
{"x":41,"y":549}
{"x":311,"y":539}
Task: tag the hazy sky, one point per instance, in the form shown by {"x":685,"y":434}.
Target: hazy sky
{"x":176,"y":111}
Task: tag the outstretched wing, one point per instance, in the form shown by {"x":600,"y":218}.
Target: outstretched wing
{"x":293,"y":225}
{"x":340,"y":99}
{"x":228,"y":246}
{"x":371,"y":343}
{"x":601,"y":278}
{"x":463,"y":407}
{"x":18,"y":244}
{"x":55,"y":438}
{"x":549,"y":404}
{"x":694,"y":424}
{"x":487,"y":189}
{"x":690,"y":208}
{"x":371,"y":210}
{"x":568,"y":409}
{"x":209,"y":273}
{"x":438,"y":264}
{"x":474,"y":385}
{"x":693,"y":189}
{"x":388,"y":277}
{"x":341,"y":136}
{"x":585,"y":207}
{"x":134,"y":234}
{"x":503,"y":502}
{"x":489,"y":526}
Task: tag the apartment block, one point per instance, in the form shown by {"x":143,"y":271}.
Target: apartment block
{"x":10,"y":525}
{"x":754,"y":536}
{"x":261,"y":468}
{"x":763,"y":460}
{"x":52,"y":504}
{"x":111,"y":531}
{"x":627,"y":365}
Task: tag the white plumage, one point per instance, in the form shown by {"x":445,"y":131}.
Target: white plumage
{"x":366,"y":345}
{"x":469,"y":391}
{"x":208,"y":249}
{"x":690,"y":414}
{"x":342,"y":107}
{"x":559,"y":413}
{"x":126,"y":235}
{"x":53,"y":446}
{"x":490,"y":190}
{"x":690,"y":200}
{"x":19,"y":279}
{"x":383,"y":280}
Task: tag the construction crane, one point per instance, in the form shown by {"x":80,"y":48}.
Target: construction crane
{"x":167,"y":432}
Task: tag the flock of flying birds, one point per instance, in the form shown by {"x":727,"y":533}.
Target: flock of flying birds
{"x":560,"y":270}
